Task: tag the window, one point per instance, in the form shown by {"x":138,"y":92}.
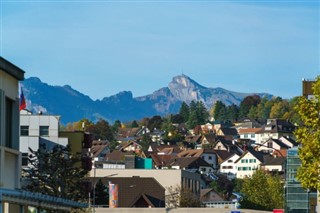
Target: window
{"x":24,"y":159}
{"x":244,"y":161}
{"x":245,"y":135}
{"x":230,"y":161}
{"x":224,"y":167}
{"x":9,"y":123}
{"x":44,"y":131}
{"x":269,"y":144}
{"x":252,"y":160}
{"x":24,"y":131}
{"x":252,"y":135}
{"x":210,"y":157}
{"x":230,"y":167}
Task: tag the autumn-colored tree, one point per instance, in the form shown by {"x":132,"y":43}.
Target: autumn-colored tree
{"x":279,"y":109}
{"x":309,"y":136}
{"x":101,"y":130}
{"x":247,"y":103}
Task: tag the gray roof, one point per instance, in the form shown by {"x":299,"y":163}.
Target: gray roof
{"x":11,"y":69}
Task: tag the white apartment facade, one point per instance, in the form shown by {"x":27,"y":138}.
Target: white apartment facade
{"x":36,"y":129}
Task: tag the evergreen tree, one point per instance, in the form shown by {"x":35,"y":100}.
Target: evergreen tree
{"x":101,"y":194}
{"x":134,"y":124}
{"x":219,"y":111}
{"x":116,"y":125}
{"x":232,"y":112}
{"x":184,"y":112}
{"x":55,"y":172}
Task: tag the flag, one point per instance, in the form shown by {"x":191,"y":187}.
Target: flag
{"x":23,"y":104}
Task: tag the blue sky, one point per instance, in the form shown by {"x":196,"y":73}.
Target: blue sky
{"x":103,"y":47}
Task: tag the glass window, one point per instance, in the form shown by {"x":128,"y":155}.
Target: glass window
{"x":252,"y":135}
{"x":44,"y":131}
{"x":24,"y":131}
{"x":24,"y":159}
{"x":9,"y":123}
{"x":210,"y":157}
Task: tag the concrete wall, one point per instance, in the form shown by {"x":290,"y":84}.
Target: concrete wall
{"x":166,"y":177}
{"x":9,"y":156}
{"x":177,"y":210}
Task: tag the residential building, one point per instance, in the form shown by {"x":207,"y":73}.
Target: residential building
{"x":38,"y":129}
{"x":208,"y":155}
{"x":249,"y":133}
{"x":138,"y":192}
{"x":248,"y":162}
{"x":276,"y":128}
{"x":228,"y":166}
{"x":166,"y":177}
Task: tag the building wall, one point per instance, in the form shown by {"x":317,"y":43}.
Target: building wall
{"x":166,"y":177}
{"x":176,"y":210}
{"x":224,"y":167}
{"x":9,"y":140}
{"x":247,"y":165}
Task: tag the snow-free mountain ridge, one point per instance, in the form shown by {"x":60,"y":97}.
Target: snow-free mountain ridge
{"x":73,"y":105}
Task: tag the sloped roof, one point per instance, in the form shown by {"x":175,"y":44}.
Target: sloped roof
{"x":277,"y":141}
{"x":98,"y":147}
{"x":271,"y":160}
{"x":127,"y":132}
{"x":229,"y":131}
{"x":195,"y":152}
{"x":118,"y":155}
{"x":211,"y":138}
{"x":223,"y":154}
{"x":258,"y":155}
{"x":188,"y":162}
{"x":193,"y":138}
{"x":278,"y":126}
{"x":249,"y":130}
{"x":131,"y":189}
{"x":161,"y":160}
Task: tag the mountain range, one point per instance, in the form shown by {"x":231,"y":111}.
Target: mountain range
{"x":72,"y":105}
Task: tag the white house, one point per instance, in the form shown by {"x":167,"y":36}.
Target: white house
{"x":248,"y":162}
{"x":250,"y":133}
{"x":228,"y":166}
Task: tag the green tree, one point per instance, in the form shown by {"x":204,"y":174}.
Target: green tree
{"x":309,"y":136}
{"x":101,"y":130}
{"x":101,"y":194}
{"x":232,"y":112}
{"x":145,"y":142}
{"x":116,"y":125}
{"x":55,"y":172}
{"x":220,"y":111}
{"x":134,"y":124}
{"x":184,"y":112}
{"x":259,"y":187}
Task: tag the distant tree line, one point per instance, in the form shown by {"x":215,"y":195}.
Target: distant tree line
{"x":257,"y":108}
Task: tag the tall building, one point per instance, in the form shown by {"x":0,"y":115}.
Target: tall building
{"x":298,"y":199}
{"x":12,"y":198}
